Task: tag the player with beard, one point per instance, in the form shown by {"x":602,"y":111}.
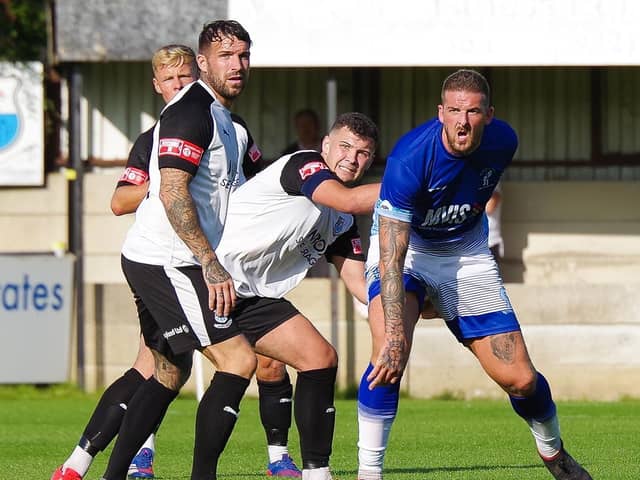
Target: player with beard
{"x":429,"y":238}
{"x":174,"y":67}
{"x":169,"y":256}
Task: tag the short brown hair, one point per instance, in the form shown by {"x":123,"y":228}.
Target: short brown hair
{"x":469,"y":81}
{"x":359,"y":124}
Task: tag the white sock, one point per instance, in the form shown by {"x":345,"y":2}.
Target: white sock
{"x":276,"y":452}
{"x":317,"y":474}
{"x":366,"y":475}
{"x":373,"y":437}
{"x":547,"y":436}
{"x":149,"y":443}
{"x":79,"y":460}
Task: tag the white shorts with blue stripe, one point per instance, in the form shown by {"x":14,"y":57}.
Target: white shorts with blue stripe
{"x":466,"y":289}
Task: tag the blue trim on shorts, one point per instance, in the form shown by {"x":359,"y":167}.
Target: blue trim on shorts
{"x":411,"y":284}
{"x":474,"y":326}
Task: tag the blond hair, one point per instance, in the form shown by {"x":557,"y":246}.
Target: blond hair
{"x":174,"y":55}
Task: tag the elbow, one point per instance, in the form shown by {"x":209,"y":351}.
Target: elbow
{"x":116,"y":208}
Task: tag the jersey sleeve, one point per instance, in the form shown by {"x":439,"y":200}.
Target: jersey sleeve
{"x":186,"y":131}
{"x":398,"y":191}
{"x":347,"y":245}
{"x":252,"y":161}
{"x":304,"y":172}
{"x":136,"y":172}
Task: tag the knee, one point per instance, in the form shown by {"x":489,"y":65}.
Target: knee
{"x":270,"y":370}
{"x":318,"y":356}
{"x":240,"y":364}
{"x":330,"y":357}
{"x":524,"y":385}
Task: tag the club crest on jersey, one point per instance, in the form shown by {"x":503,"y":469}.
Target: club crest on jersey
{"x":310,"y":168}
{"x":177,"y":147}
{"x":341,"y":226}
{"x":221,"y":322}
{"x":488,"y":178}
{"x":134,"y":176}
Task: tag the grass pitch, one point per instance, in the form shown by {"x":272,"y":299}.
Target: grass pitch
{"x":431,"y":439}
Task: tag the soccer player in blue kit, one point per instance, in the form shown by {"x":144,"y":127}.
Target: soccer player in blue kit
{"x":429,"y":239}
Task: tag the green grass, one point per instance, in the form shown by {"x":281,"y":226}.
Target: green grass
{"x":431,"y":439}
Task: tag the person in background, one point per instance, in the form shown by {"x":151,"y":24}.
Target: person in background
{"x":308,"y":133}
{"x":429,"y":238}
{"x":174,"y":67}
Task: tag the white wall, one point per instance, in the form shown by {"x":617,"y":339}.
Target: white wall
{"x":438,"y":33}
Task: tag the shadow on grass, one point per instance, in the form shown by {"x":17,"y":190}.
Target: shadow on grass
{"x":475,"y":468}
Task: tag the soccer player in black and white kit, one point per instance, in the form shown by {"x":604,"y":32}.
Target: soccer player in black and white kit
{"x":174,"y":67}
{"x":169,"y":255}
{"x":279,"y":224}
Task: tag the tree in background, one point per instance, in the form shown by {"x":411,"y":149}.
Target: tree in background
{"x":24,"y":31}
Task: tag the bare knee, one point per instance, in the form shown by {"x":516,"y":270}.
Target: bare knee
{"x":270,"y":370}
{"x":329,"y":358}
{"x":172,"y":374}
{"x":524,"y":385}
{"x":233,"y":356}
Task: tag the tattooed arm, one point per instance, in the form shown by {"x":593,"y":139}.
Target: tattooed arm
{"x":182,"y":214}
{"x":394,"y":241}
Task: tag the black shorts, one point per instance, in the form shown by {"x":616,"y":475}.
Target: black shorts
{"x":257,"y":316}
{"x":173,"y":308}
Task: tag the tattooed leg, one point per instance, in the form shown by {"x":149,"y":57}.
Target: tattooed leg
{"x":505,"y":358}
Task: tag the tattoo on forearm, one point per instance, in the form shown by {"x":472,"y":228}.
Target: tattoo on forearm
{"x":504,"y":347}
{"x":394,"y":241}
{"x":181,"y":211}
{"x":215,"y":273}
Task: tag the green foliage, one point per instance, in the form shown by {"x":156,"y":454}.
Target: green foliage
{"x":23,"y":31}
{"x":431,"y":439}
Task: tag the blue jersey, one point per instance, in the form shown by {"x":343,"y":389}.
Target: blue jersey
{"x":443,"y":196}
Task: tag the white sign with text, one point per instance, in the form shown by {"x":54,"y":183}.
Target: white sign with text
{"x":36,"y":304}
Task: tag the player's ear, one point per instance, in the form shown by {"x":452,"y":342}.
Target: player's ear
{"x":201,"y":60}
{"x":325,"y":144}
{"x":441,"y":113}
{"x":490,"y":113}
{"x":156,"y":85}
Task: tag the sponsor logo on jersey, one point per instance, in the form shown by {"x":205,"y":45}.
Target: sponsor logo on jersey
{"x":311,"y":168}
{"x":448,"y":215}
{"x":254,"y":153}
{"x":230,"y":183}
{"x":312,"y":246}
{"x":356,"y":244}
{"x":176,"y":147}
{"x":134,"y":176}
